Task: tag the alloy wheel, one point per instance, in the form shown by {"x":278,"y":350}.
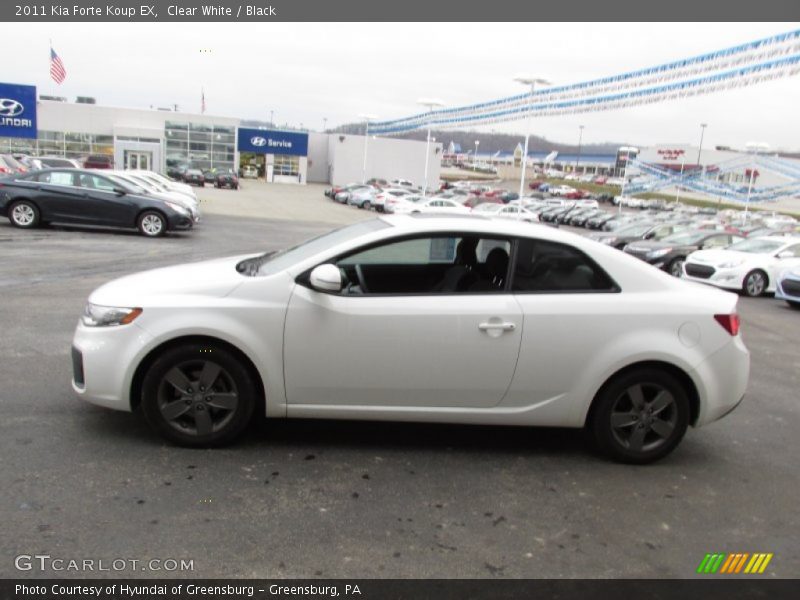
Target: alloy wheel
{"x":644,"y":417}
{"x":197,"y":397}
{"x":676,"y":268}
{"x":755,"y":284}
{"x":23,"y":215}
{"x":152,"y":225}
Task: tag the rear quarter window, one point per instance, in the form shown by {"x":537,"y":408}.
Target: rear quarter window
{"x":551,"y":267}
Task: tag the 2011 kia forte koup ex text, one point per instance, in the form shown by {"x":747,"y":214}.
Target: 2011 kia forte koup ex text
{"x":418,"y":318}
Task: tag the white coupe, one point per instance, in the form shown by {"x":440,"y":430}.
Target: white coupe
{"x":418,"y":318}
{"x":751,"y":266}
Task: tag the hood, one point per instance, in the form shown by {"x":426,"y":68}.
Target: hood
{"x":715,"y":257}
{"x":216,"y":278}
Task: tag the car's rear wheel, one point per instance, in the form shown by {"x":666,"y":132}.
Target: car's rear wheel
{"x":151,"y":223}
{"x":640,"y":416}
{"x":198,"y":395}
{"x":24,"y":214}
{"x":793,"y":304}
{"x":755,"y":282}
{"x":676,"y":267}
{"x":367,"y":205}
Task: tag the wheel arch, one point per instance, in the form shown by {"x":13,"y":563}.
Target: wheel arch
{"x":153,"y":354}
{"x":682,"y":376}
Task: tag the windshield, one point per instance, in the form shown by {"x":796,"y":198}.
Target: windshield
{"x":273,"y":262}
{"x":756,"y":246}
{"x":634,"y":230}
{"x":127,"y":185}
{"x":685,"y":239}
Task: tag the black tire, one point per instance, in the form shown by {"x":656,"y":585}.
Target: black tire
{"x":755,"y":283}
{"x":24,"y":214}
{"x":675,"y":267}
{"x":650,"y":435}
{"x":226,"y":405}
{"x":793,"y":304}
{"x":147,"y":224}
{"x":366,"y":205}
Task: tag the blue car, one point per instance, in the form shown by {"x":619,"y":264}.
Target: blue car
{"x":788,"y":287}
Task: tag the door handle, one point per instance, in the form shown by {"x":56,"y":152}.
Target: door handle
{"x":502,"y":326}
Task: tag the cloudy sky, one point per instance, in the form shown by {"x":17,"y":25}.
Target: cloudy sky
{"x":307,"y":72}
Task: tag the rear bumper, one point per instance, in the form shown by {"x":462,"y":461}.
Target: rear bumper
{"x":724,"y":376}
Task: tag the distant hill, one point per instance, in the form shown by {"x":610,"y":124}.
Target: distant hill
{"x":492,"y":142}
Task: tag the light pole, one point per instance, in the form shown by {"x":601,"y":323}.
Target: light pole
{"x":271,"y":121}
{"x":475,"y":165}
{"x":680,"y":179}
{"x":702,"y":134}
{"x":580,"y":139}
{"x":531,"y":81}
{"x":366,"y":119}
{"x":430,"y":104}
{"x":324,"y":124}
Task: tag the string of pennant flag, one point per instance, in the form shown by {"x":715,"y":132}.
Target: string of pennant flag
{"x":739,"y":66}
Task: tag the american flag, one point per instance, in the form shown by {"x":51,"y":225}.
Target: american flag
{"x":57,"y":70}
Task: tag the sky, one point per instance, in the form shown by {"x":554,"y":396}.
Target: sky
{"x":316,"y":73}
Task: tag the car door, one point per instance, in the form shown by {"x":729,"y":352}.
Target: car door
{"x":398,"y":343}
{"x":107,"y":206}
{"x":59,"y":197}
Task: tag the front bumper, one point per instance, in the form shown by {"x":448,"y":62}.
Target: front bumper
{"x":788,"y":289}
{"x":104,"y":361}
{"x":729,"y":279}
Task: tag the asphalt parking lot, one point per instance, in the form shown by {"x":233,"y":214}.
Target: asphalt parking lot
{"x":343,"y":499}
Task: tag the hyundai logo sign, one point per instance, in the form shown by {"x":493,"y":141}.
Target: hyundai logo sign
{"x":17,"y":110}
{"x":267,"y":141}
{"x":10,"y":108}
{"x":258,"y":141}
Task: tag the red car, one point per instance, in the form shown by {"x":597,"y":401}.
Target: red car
{"x":577,"y":195}
{"x":535,"y":184}
{"x":99,"y":161}
{"x":601,"y":180}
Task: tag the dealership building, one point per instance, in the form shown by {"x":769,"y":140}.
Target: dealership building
{"x":156,"y":139}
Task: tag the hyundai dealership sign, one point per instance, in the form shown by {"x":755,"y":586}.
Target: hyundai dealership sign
{"x":264,"y":141}
{"x":17,"y":110}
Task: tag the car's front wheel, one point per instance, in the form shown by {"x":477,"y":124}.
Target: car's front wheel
{"x":151,"y":224}
{"x":640,"y":416}
{"x":367,"y":205}
{"x":676,"y":267}
{"x":793,"y":304}
{"x":24,"y":214}
{"x":755,"y":282}
{"x":198,"y":395}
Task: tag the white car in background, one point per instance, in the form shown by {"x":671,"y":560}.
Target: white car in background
{"x":432,"y":205}
{"x":561,"y":190}
{"x":751,"y":266}
{"x":401,"y":183}
{"x":386,"y":199}
{"x":446,"y":320}
{"x":487,"y":208}
{"x":166,"y":182}
{"x":517,"y":213}
{"x":153,"y":189}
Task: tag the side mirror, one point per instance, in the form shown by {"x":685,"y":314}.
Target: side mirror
{"x":326,"y":278}
{"x":786,"y":254}
{"x":120,"y":191}
{"x":650,"y":235}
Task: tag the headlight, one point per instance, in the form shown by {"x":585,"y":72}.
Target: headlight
{"x":95,"y":315}
{"x":178,"y":208}
{"x":731,"y":263}
{"x":609,"y":240}
{"x":657,"y":253}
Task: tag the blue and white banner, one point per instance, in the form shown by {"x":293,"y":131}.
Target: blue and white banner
{"x":264,"y":141}
{"x":17,"y":110}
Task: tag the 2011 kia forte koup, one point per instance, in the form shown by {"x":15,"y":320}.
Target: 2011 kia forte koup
{"x":418,"y":318}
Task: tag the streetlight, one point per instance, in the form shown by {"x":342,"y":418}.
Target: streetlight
{"x":580,"y":139}
{"x":366,"y":119}
{"x":324,"y":124}
{"x":475,"y":167}
{"x":700,"y":148}
{"x":680,"y":179}
{"x":271,"y":121}
{"x":531,"y":81}
{"x":430,"y":104}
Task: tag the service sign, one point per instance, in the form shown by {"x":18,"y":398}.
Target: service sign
{"x":17,"y":110}
{"x":264,"y":141}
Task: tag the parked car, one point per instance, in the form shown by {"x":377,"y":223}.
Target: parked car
{"x":363,"y":197}
{"x":79,"y":197}
{"x":636,"y":231}
{"x":752,"y":265}
{"x":343,"y":195}
{"x":432,"y":205}
{"x":788,"y":287}
{"x":377,"y":182}
{"x":227,"y":179}
{"x":670,"y":253}
{"x":388,"y":198}
{"x":249,"y":172}
{"x":176,"y":171}
{"x":402,"y":183}
{"x":194,"y":177}
{"x":133,"y":178}
{"x":600,"y":180}
{"x":9,"y":164}
{"x":517,"y":213}
{"x":199,"y":347}
{"x":597,"y":221}
{"x":168,"y":183}
{"x":99,"y":161}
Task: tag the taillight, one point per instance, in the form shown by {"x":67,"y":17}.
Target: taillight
{"x":729,"y":322}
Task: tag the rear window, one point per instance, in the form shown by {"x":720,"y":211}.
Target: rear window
{"x":551,"y":267}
